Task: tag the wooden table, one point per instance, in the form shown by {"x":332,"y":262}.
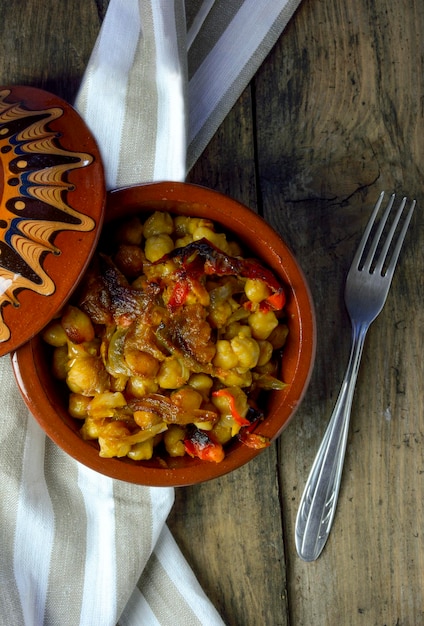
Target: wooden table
{"x":334,"y":116}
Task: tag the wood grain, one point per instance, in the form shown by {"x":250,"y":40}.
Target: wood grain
{"x":339,"y":119}
{"x":47,"y":47}
{"x":334,"y":115}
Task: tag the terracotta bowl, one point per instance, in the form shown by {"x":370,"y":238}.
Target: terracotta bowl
{"x":47,"y":400}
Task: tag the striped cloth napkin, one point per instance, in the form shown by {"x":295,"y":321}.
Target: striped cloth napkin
{"x":78,"y":547}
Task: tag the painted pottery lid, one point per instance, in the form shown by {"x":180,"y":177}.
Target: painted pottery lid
{"x":52,"y":198}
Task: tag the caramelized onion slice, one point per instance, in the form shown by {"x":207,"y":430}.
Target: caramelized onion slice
{"x":170,"y":412}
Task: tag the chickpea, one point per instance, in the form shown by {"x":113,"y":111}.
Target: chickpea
{"x":115,"y":429}
{"x":60,"y":365}
{"x":256,"y":290}
{"x":173,"y":439}
{"x":187,"y":398}
{"x":172,"y":374}
{"x":223,"y":404}
{"x":236,"y":329}
{"x":235,"y":378}
{"x":187,"y":225}
{"x":265,"y":352}
{"x":222,"y":432}
{"x":141,"y":363}
{"x":183,"y":241}
{"x":82,"y":351}
{"x":91,"y":428}
{"x":161,"y":270}
{"x":140,"y":387}
{"x":87,"y":376}
{"x":78,"y":405}
{"x":112,"y":440}
{"x":202,"y":383}
{"x":77,"y":325}
{"x":142,"y":451}
{"x":225,"y":356}
{"x":217,"y":239}
{"x":247,"y":351}
{"x":262,"y":323}
{"x":157,"y":246}
{"x":55,"y":334}
{"x":181,"y":225}
{"x":158,"y":223}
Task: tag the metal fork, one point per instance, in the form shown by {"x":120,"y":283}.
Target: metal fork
{"x":367,"y":286}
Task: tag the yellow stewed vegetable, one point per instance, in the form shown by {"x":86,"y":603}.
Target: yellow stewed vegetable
{"x":170,"y":342}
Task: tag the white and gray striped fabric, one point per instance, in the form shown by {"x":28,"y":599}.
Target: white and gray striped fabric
{"x":78,"y":548}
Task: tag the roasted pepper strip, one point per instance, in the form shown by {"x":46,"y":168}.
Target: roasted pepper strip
{"x":199,"y":444}
{"x":201,"y":257}
{"x":239,"y":419}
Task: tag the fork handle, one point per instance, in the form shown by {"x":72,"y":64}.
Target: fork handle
{"x":319,"y":500}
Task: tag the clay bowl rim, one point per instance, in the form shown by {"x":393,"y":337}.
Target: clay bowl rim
{"x":43,"y":398}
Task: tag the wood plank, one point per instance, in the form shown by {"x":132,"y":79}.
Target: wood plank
{"x":228,"y":163}
{"x":230,"y":529}
{"x":52,"y":44}
{"x":339,"y":119}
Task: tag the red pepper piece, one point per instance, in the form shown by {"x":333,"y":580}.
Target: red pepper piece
{"x":276,"y":301}
{"x":179,"y":294}
{"x":239,"y":419}
{"x":199,"y":444}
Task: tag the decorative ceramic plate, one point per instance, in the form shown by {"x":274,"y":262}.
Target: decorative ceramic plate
{"x":52,"y":197}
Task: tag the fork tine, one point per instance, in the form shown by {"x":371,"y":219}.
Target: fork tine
{"x":394,"y":258}
{"x":383,"y":254}
{"x":367,"y":262}
{"x":377,"y":236}
{"x":360,"y":250}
